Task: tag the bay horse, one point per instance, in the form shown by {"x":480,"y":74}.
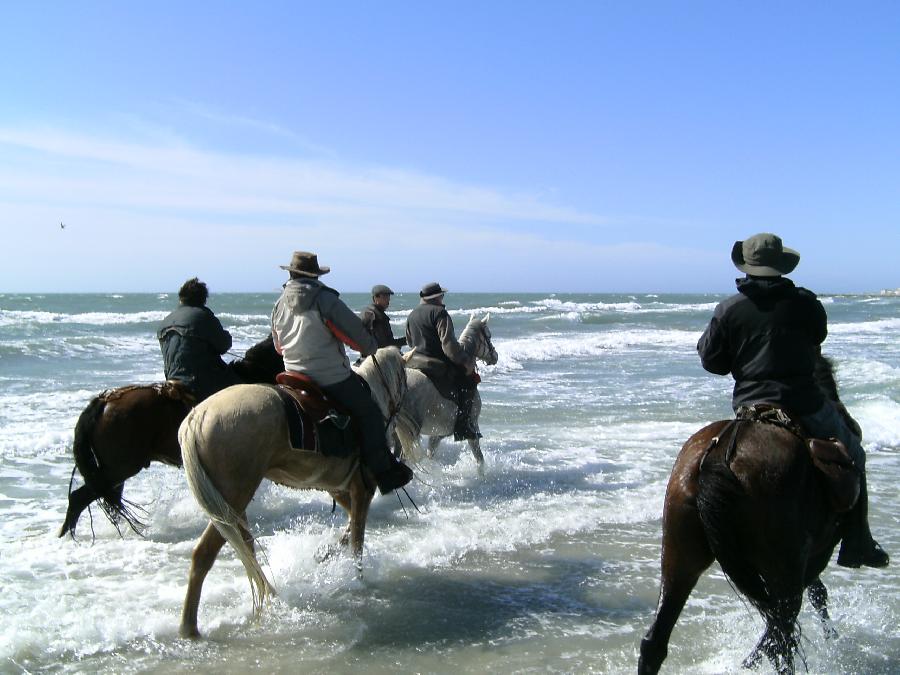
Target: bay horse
{"x":756,"y":503}
{"x":123,"y":430}
{"x":233,"y":440}
{"x":429,"y":413}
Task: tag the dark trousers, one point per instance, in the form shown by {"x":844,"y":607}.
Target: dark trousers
{"x":467,"y":387}
{"x":353,"y":393}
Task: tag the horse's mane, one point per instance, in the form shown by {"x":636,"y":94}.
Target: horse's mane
{"x":392,"y":367}
{"x":823,"y":374}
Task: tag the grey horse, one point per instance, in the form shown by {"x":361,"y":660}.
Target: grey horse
{"x":430,"y":414}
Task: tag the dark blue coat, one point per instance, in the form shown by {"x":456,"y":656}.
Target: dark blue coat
{"x":192,"y":341}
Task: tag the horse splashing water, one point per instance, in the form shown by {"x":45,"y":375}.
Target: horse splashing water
{"x":746,"y":493}
{"x":239,"y":436}
{"x":432,"y":415}
{"x":122,"y":430}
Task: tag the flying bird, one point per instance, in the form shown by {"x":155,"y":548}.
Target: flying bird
{"x":62,"y":226}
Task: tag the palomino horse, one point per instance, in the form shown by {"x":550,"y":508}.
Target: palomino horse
{"x":237,"y":437}
{"x":433,"y":415}
{"x":756,"y":503}
{"x":122,"y":430}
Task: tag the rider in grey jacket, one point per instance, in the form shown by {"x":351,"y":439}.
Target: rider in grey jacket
{"x":311,"y":325}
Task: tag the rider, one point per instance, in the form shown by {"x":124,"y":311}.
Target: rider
{"x":192,"y":341}
{"x":429,"y":330}
{"x":376,"y":320}
{"x":311,"y":324}
{"x":768,"y":336}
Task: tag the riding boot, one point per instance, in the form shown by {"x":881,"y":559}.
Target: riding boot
{"x":396,"y":476}
{"x":858,"y":548}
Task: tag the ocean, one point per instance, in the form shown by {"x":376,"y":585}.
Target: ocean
{"x":546,"y":563}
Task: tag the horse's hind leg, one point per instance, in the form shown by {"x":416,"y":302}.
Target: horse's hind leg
{"x":202,"y":560}
{"x":685,"y":556}
{"x":818,"y":598}
{"x":78,"y":501}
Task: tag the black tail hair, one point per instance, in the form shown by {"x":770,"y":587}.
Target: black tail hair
{"x":110,"y":496}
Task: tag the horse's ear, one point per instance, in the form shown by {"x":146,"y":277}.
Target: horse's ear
{"x":471,"y":317}
{"x":408,"y":354}
{"x":487,"y":317}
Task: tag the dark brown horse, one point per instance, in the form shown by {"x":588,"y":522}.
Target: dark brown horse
{"x":122,"y":430}
{"x":755,"y":502}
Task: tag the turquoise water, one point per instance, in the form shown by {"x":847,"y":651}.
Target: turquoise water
{"x":547,"y":563}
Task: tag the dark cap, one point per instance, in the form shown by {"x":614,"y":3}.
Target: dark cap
{"x":381,"y":289}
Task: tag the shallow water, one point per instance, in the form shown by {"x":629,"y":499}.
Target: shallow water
{"x":549,"y":562}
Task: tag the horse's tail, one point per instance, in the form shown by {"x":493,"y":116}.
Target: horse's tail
{"x":719,"y":498}
{"x":96,"y":483}
{"x":230,"y":524}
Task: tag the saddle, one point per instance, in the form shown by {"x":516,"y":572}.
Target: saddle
{"x":442,"y":375}
{"x":315,"y":422}
{"x":830,"y":457}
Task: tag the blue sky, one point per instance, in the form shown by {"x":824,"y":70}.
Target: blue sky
{"x":498,"y":146}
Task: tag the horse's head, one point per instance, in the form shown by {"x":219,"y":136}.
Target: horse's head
{"x":476,"y":339}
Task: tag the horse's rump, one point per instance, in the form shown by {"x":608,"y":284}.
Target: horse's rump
{"x":756,"y":488}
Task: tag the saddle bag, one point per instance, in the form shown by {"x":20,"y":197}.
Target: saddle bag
{"x":838,"y":472}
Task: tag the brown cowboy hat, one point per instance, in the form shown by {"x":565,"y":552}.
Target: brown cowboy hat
{"x":305,"y":263}
{"x":763,"y":255}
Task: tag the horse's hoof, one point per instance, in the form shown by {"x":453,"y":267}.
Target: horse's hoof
{"x":189,"y":632}
{"x":830,"y":633}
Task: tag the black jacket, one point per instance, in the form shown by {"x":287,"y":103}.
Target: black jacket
{"x":379,"y":325}
{"x":767,"y":336}
{"x":192,"y":341}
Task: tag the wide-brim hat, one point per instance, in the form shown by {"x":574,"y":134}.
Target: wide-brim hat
{"x":305,"y":263}
{"x":763,"y":255}
{"x":381,"y":289}
{"x":432,"y":290}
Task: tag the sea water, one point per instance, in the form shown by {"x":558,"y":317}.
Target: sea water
{"x":548,"y":562}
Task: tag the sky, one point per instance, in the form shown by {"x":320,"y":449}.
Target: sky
{"x":490,"y":146}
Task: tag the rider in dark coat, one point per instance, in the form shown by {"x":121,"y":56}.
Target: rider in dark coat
{"x":192,"y":341}
{"x":429,"y":330}
{"x":376,"y":320}
{"x":769,"y":336}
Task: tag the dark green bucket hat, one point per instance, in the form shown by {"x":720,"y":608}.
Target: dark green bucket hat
{"x":763,"y":255}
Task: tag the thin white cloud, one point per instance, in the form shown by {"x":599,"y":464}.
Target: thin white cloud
{"x":177,"y":176}
{"x":144,"y":215}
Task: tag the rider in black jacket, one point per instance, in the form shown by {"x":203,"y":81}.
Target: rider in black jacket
{"x":768,"y":336}
{"x":376,"y":320}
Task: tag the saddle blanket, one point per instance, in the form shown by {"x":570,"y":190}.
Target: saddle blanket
{"x":324,"y":431}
